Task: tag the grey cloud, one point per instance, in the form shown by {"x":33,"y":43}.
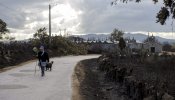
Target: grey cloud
{"x":14,"y":12}
{"x":62,"y":21}
{"x":99,"y":16}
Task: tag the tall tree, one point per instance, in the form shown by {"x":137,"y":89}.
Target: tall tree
{"x":167,"y":10}
{"x":167,"y":47}
{"x":116,"y":35}
{"x":41,"y":34}
{"x":8,"y":37}
{"x":122,"y":43}
{"x":3,"y":28}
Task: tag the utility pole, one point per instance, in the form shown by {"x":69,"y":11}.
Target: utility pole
{"x":49,"y":24}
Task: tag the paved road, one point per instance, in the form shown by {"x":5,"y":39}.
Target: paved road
{"x":22,"y":84}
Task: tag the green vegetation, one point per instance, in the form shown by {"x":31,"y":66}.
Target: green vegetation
{"x":154,"y":73}
{"x":15,"y":52}
{"x":122,"y":43}
{"x":116,"y":35}
{"x":3,"y":28}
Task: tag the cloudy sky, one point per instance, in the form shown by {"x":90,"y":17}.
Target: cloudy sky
{"x":24,"y":17}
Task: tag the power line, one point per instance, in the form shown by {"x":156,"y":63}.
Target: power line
{"x":7,"y":7}
{"x":12,"y":10}
{"x":6,"y":17}
{"x":172,"y":24}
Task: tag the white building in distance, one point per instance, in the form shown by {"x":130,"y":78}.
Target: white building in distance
{"x":151,"y":44}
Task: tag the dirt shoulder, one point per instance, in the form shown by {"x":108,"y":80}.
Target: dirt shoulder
{"x":89,"y":83}
{"x":86,"y":84}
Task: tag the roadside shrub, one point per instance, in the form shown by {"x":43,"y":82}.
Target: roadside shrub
{"x":15,"y":52}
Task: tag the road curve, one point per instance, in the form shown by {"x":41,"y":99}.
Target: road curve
{"x":22,"y":83}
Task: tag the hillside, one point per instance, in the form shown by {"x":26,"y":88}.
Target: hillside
{"x":138,"y":36}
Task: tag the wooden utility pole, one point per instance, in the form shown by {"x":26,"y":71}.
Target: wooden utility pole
{"x":49,"y":24}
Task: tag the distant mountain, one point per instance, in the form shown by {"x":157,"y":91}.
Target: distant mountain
{"x":138,"y":36}
{"x":141,"y":37}
{"x":94,"y":36}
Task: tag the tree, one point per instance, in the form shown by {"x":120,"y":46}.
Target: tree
{"x":3,"y":28}
{"x":9,"y":38}
{"x":167,"y":47}
{"x":116,"y":35}
{"x":75,"y":39}
{"x":41,"y":34}
{"x":166,"y":11}
{"x":122,"y":44}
